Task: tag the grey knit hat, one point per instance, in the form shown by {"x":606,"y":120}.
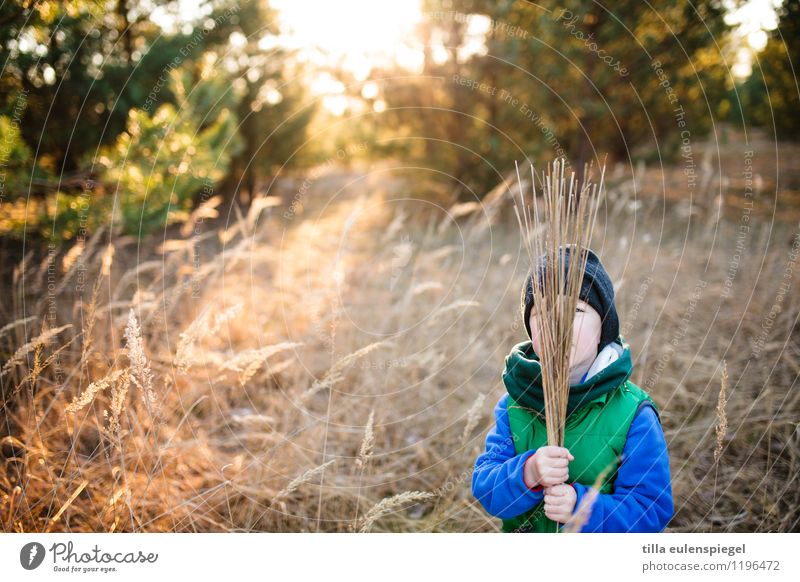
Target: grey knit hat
{"x":597,"y":290}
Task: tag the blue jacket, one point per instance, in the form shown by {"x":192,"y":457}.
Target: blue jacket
{"x":642,"y":497}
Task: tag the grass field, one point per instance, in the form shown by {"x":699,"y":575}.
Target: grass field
{"x":335,"y":369}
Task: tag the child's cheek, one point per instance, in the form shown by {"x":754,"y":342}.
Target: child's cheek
{"x":535,"y":335}
{"x":586,"y":335}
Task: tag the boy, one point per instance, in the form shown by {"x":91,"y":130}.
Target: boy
{"x":611,"y":424}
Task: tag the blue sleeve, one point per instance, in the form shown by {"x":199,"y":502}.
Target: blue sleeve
{"x":497,"y":481}
{"x":642,"y":497}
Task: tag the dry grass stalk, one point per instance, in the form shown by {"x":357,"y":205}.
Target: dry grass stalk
{"x":8,"y":519}
{"x":473,"y":417}
{"x":108,"y":259}
{"x":77,"y":261}
{"x":458,"y":305}
{"x":66,"y":505}
{"x":39,"y":366}
{"x":200,"y":328}
{"x":37,"y":342}
{"x":722,"y":416}
{"x":334,"y":374}
{"x":118,"y":394}
{"x":326,"y":382}
{"x":566,"y":222}
{"x":364,"y":456}
{"x":304,"y":478}
{"x":253,"y":422}
{"x":91,"y":316}
{"x":207,"y":209}
{"x":394,"y":227}
{"x":13,"y":324}
{"x":141,"y":375}
{"x":420,"y":288}
{"x":259,"y":204}
{"x":367,"y":443}
{"x":247,"y":362}
{"x":721,"y":430}
{"x":584,"y":511}
{"x":88,"y":395}
{"x":385,"y":506}
{"x":71,"y":256}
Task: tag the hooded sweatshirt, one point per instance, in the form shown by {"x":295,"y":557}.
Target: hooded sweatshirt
{"x":642,"y":497}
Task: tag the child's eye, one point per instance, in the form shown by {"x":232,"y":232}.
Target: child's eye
{"x":580,"y":309}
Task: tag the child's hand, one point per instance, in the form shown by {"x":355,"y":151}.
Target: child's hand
{"x":548,"y":466}
{"x":559,"y":502}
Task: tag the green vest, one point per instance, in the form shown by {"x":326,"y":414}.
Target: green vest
{"x":594,"y":433}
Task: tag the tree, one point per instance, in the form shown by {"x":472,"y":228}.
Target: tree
{"x":771,"y":94}
{"x":559,"y":78}
{"x":86,"y":80}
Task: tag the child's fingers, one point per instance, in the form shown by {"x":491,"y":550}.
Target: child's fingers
{"x":567,"y":455}
{"x":559,"y":453}
{"x":556,"y":515}
{"x":551,"y":478}
{"x":554,"y":474}
{"x":555,"y":500}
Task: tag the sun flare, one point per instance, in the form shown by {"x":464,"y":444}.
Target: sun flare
{"x":358,"y":33}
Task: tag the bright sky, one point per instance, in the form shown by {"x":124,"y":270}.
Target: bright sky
{"x":354,"y":34}
{"x":751,"y":21}
{"x":360,"y":34}
{"x":753,"y":18}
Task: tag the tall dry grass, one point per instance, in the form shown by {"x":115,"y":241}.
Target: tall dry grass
{"x":336,"y":372}
{"x":556,"y":236}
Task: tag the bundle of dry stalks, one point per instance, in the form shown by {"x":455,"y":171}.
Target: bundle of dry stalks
{"x":559,"y":233}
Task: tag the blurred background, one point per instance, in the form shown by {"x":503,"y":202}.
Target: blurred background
{"x":260,"y":264}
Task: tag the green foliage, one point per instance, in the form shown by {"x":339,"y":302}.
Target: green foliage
{"x":159,"y":163}
{"x":15,"y":156}
{"x":130,"y":122}
{"x":273,"y":109}
{"x":76,"y":72}
{"x":557,"y":78}
{"x":15,"y":175}
{"x":151,"y":173}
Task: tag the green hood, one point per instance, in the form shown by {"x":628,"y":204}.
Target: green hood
{"x":523,"y":378}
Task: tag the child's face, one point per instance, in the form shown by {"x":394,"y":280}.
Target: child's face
{"x":586,"y":330}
